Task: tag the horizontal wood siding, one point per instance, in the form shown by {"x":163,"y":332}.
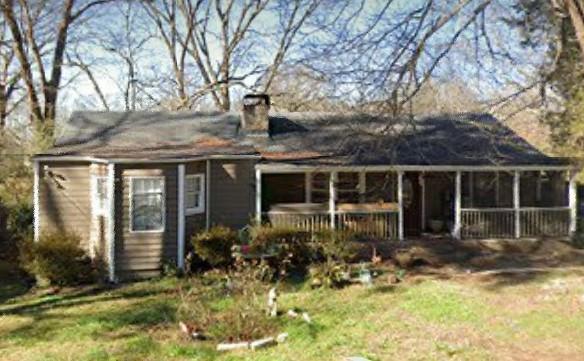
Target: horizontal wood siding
{"x":142,"y":254}
{"x":64,"y":198}
{"x":232,"y":192}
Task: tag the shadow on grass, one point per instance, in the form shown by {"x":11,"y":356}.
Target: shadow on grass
{"x":83,"y":296}
{"x":112,"y":323}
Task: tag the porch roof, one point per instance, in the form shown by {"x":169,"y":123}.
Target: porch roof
{"x":353,"y":139}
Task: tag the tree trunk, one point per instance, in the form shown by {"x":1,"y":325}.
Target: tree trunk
{"x":576,"y":11}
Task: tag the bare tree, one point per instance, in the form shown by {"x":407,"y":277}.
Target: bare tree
{"x":40,"y":33}
{"x":228,"y":42}
{"x":9,"y":77}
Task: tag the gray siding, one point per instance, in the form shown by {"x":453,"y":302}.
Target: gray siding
{"x":232,"y":192}
{"x":64,"y":198}
{"x":142,"y":254}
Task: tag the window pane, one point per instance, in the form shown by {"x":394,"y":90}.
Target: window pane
{"x":147,"y":212}
{"x":191,"y":200}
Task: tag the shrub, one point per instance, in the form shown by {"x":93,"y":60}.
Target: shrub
{"x":331,"y":274}
{"x":289,"y":244}
{"x":336,"y":245}
{"x":58,"y":259}
{"x":20,"y":219}
{"x":214,"y":246}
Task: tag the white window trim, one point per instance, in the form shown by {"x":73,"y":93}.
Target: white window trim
{"x":202,"y":194}
{"x":131,"y":225}
{"x":95,"y":199}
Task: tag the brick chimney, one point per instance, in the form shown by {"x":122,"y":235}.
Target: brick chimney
{"x":254,"y":115}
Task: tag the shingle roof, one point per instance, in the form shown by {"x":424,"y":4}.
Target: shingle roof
{"x":326,"y":138}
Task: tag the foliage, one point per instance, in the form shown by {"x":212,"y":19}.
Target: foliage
{"x":330,"y":274}
{"x":214,"y":246}
{"x":336,"y":245}
{"x":20,"y":219}
{"x":290,"y":245}
{"x":57,"y":258}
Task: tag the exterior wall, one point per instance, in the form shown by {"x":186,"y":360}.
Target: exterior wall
{"x":64,"y":198}
{"x":142,"y":254}
{"x":232,"y":192}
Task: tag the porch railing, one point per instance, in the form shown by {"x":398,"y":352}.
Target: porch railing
{"x":545,"y":221}
{"x":488,"y":222}
{"x":500,"y":222}
{"x":380,"y":224}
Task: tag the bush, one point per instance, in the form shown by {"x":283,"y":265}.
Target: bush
{"x":20,"y":220}
{"x":58,"y":259}
{"x":214,"y":246}
{"x":289,"y":244}
{"x":336,"y":245}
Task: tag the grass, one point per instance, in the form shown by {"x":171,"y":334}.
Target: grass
{"x":460,"y":318}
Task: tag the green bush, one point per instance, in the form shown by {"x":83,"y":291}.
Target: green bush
{"x":336,"y":245}
{"x":288,"y":243}
{"x":58,"y":259}
{"x":214,"y":246}
{"x":20,"y":219}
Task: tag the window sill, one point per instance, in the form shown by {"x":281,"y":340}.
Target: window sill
{"x":192,"y":212}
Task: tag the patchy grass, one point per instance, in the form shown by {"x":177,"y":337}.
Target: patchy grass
{"x":461,"y":318}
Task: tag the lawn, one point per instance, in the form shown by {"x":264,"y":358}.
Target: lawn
{"x":460,"y":317}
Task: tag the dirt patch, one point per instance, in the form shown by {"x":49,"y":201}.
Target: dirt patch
{"x":476,"y":255}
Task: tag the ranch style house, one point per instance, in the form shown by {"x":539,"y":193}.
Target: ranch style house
{"x":136,"y":186}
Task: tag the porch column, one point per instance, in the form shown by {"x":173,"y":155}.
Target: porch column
{"x":111,"y":221}
{"x":258,"y":180}
{"x":208,"y":194}
{"x":308,"y":187}
{"x":180,"y":242}
{"x":517,"y":202}
{"x":572,"y":194}
{"x":332,"y":197}
{"x":400,"y":205}
{"x":457,"y":205}
{"x":36,"y":201}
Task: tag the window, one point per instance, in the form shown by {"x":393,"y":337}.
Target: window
{"x":99,"y":196}
{"x":195,"y":193}
{"x":147,"y":204}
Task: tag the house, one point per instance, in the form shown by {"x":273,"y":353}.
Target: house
{"x":136,"y":186}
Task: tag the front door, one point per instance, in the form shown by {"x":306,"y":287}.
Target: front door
{"x":412,"y":203}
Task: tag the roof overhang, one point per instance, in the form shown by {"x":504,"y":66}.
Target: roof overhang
{"x":74,"y":158}
{"x":292,"y":168}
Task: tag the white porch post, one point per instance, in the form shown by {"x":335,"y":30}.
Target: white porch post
{"x":258,"y":180}
{"x":400,"y":204}
{"x":308,"y":187}
{"x":422,"y":181}
{"x":36,"y":201}
{"x":332,"y":197}
{"x":572,"y":202}
{"x":517,"y":202}
{"x":457,"y":205}
{"x":111,"y":221}
{"x":181,"y":218}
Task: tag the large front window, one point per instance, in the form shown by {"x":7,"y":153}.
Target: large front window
{"x":147,"y":204}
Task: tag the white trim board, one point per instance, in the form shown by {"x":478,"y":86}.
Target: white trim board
{"x":36,"y":201}
{"x":131,"y":205}
{"x":180,"y":234}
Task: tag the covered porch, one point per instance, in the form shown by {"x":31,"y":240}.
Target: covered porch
{"x":409,"y":201}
